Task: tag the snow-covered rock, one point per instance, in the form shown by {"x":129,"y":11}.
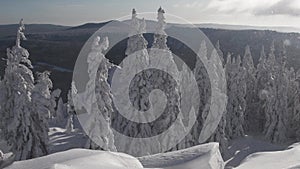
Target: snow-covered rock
{"x":206,"y":156}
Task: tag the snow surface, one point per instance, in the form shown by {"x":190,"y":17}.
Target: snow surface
{"x":287,"y":159}
{"x":80,"y":159}
{"x":200,"y":157}
{"x":206,"y":156}
{"x":239,"y":149}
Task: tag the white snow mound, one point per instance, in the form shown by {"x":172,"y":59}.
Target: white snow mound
{"x":288,"y":159}
{"x":206,"y":156}
{"x":80,"y":159}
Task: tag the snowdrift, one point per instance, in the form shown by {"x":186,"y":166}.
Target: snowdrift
{"x":200,"y":157}
{"x":287,"y":159}
{"x":80,"y":159}
{"x":206,"y":156}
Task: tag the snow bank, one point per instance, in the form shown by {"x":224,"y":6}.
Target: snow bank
{"x":205,"y":156}
{"x":288,"y":159}
{"x":80,"y":159}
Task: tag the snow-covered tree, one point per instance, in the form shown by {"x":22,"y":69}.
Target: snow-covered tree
{"x":204,"y":88}
{"x":293,"y":103}
{"x":41,"y":108}
{"x":220,"y":53}
{"x":21,"y":124}
{"x":99,"y":98}
{"x":251,"y":96}
{"x":70,"y":112}
{"x":236,"y":91}
{"x":137,"y":59}
{"x":141,"y":90}
{"x":262,"y":76}
{"x":276,"y":101}
{"x":54,"y":100}
{"x":217,"y":76}
{"x":61,"y":112}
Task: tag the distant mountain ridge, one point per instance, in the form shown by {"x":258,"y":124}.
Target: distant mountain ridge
{"x":10,"y":30}
{"x":39,"y":28}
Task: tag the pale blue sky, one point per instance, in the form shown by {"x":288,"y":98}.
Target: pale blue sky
{"x":75,"y":12}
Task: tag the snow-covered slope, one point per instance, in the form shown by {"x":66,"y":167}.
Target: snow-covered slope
{"x":287,"y":159}
{"x":205,"y":156}
{"x":80,"y":159}
{"x":200,"y":157}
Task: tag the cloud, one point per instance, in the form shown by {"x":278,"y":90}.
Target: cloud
{"x":256,"y":7}
{"x":283,"y":7}
{"x":195,"y":4}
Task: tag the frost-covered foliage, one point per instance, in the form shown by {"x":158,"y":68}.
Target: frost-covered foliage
{"x":204,"y":88}
{"x":145,"y":86}
{"x":276,"y":106}
{"x":70,"y":111}
{"x":54,"y":100}
{"x":251,"y":96}
{"x":236,"y":91}
{"x":24,"y":106}
{"x":98,"y":97}
{"x":218,"y":75}
{"x":137,"y":49}
{"x":41,"y":107}
{"x":61,"y":112}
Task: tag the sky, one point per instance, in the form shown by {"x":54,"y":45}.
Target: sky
{"x":76,"y":12}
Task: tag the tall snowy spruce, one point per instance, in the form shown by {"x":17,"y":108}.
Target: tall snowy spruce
{"x":262,"y":77}
{"x":296,"y":110}
{"x":41,"y":109}
{"x":100,"y":99}
{"x":293,"y":104}
{"x":21,"y":125}
{"x":215,"y":65}
{"x":275,"y":95}
{"x":70,"y":111}
{"x":142,"y":86}
{"x":203,"y":83}
{"x":137,"y":54}
{"x":251,"y":96}
{"x":160,"y":54}
{"x":236,"y":91}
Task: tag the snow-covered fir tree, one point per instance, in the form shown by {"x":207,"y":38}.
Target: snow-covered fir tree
{"x":137,"y":59}
{"x":22,"y":126}
{"x":251,"y":96}
{"x":160,"y":54}
{"x":293,"y":103}
{"x":54,"y":100}
{"x":204,"y":88}
{"x":70,"y":111}
{"x":41,"y":108}
{"x":262,"y":77}
{"x":215,"y":66}
{"x":99,"y":98}
{"x":276,"y":106}
{"x":236,"y":91}
{"x":61,"y":112}
{"x":220,"y":53}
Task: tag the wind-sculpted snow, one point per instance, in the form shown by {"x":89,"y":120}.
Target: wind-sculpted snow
{"x":206,"y":156}
{"x":80,"y":159}
{"x":288,"y":159}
